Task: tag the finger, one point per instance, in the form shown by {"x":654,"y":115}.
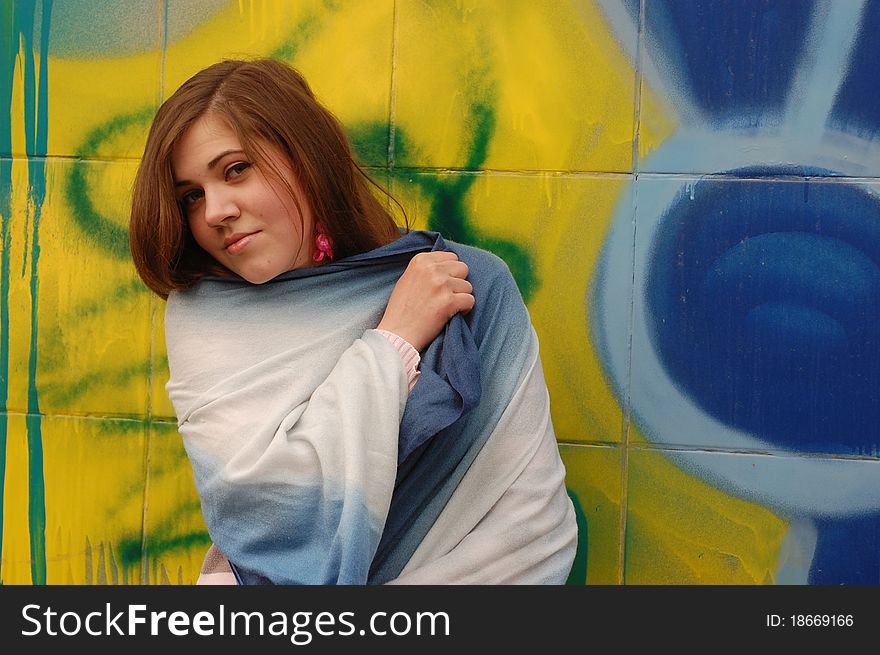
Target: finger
{"x":437,"y":256}
{"x":458,"y":285}
{"x":463,"y":302}
{"x":454,"y":269}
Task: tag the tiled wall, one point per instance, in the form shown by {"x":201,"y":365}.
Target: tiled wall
{"x":685,"y":191}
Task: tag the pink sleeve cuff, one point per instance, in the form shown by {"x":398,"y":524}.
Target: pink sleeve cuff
{"x":409,"y":356}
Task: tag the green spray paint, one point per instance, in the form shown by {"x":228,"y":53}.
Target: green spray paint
{"x":8,"y":51}
{"x":36,"y":127}
{"x":18,"y":24}
{"x":449,"y":215}
{"x":63,"y":394}
{"x":304,"y":31}
{"x":123,"y":293}
{"x":104,"y":232}
{"x":369,"y":142}
{"x":130,"y":554}
{"x":578,"y":573}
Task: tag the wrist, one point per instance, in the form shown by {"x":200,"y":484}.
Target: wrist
{"x":409,"y":356}
{"x":402,"y":332}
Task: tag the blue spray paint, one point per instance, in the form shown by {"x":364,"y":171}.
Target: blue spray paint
{"x":846,"y":551}
{"x":762,"y":293}
{"x":765,"y":299}
{"x":856,"y":107}
{"x":738,"y":56}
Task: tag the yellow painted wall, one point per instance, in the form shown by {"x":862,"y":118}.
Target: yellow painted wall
{"x":520,"y":114}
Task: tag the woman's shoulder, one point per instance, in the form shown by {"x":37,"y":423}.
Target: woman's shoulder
{"x":182,"y":300}
{"x":203,"y":300}
{"x":486,"y":268}
{"x":496,"y":291}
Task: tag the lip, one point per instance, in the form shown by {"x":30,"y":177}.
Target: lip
{"x":237,"y":242}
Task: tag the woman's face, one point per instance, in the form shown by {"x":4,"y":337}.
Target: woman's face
{"x":244,"y":219}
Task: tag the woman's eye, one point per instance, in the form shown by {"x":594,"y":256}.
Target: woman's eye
{"x":237,"y":169}
{"x":189,"y":198}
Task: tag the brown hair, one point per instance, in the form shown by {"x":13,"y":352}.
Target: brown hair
{"x":265,"y":102}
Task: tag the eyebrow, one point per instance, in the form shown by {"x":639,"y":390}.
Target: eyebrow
{"x":212,"y":164}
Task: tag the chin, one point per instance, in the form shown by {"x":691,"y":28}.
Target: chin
{"x":258,"y":277}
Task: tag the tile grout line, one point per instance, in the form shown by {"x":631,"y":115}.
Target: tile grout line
{"x":627,"y":412}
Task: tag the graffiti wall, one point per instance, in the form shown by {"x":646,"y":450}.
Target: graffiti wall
{"x":685,"y":191}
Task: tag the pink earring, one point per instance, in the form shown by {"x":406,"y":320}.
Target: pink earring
{"x":323,"y":245}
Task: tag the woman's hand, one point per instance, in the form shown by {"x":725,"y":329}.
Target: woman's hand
{"x":431,"y":290}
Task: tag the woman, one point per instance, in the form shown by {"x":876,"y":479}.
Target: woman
{"x":359,"y":405}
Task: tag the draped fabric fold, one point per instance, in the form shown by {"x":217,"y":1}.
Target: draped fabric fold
{"x":312,"y":464}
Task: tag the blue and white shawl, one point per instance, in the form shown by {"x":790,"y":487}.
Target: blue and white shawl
{"x":314,"y":467}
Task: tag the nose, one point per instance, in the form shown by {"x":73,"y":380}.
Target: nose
{"x":220,"y":205}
